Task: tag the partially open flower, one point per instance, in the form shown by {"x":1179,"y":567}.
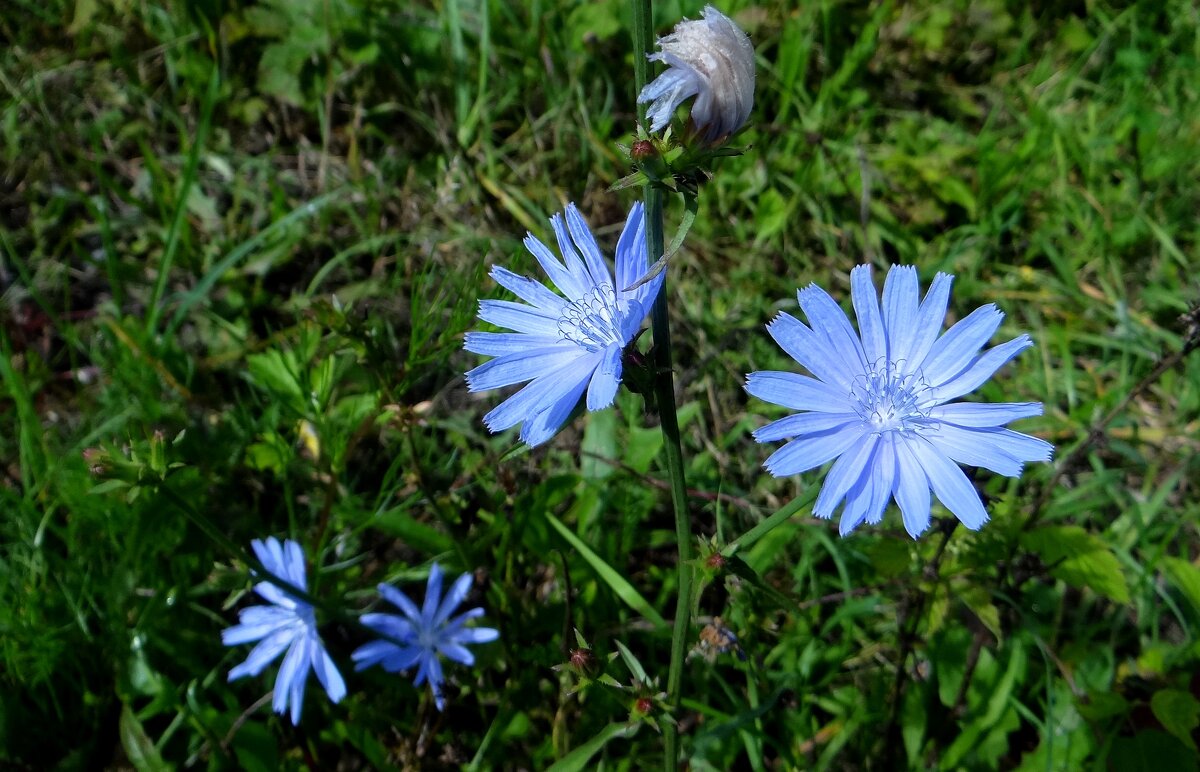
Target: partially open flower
{"x":712,"y":60}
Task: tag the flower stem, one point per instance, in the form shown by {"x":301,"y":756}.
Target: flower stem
{"x":664,"y":392}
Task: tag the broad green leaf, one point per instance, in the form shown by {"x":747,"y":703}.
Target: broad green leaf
{"x":578,"y":759}
{"x":1178,"y":712}
{"x":1079,"y":558}
{"x":137,"y":744}
{"x":1185,"y":576}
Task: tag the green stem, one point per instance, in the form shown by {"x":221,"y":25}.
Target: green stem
{"x":664,"y":392}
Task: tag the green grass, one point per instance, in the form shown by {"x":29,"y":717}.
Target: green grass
{"x":224,"y":227}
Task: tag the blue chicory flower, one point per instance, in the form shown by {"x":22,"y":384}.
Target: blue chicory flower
{"x":880,"y":402}
{"x":288,"y":623}
{"x":563,"y":345}
{"x":422,"y":636}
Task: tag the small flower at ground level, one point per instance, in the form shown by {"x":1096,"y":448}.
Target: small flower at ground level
{"x":422,"y":636}
{"x":288,"y":623}
{"x":712,"y":60}
{"x":563,"y":345}
{"x":880,"y":402}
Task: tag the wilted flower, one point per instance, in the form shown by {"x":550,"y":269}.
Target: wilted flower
{"x":880,"y":402}
{"x":712,"y":60}
{"x":422,"y":636}
{"x":288,"y":623}
{"x":563,"y":345}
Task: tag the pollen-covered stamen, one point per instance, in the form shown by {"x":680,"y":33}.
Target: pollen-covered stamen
{"x":594,"y":321}
{"x":888,"y":400}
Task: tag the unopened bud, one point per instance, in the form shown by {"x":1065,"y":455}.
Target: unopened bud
{"x":711,"y":59}
{"x":643,"y":705}
{"x":643,"y":149}
{"x":715,"y":561}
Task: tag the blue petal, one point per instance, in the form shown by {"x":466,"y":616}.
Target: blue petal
{"x":528,"y":289}
{"x":265,"y":652}
{"x":401,"y":601}
{"x":454,"y":598}
{"x":327,"y":673}
{"x":985,"y":415}
{"x":257,"y":622}
{"x":982,"y":368}
{"x":603,"y":388}
{"x":798,"y":392}
{"x":827,"y":318}
{"x":521,"y":366}
{"x":581,"y":234}
{"x":289,"y":684}
{"x":569,"y":284}
{"x":868,"y":499}
{"x":809,"y":452}
{"x":294,"y":565}
{"x":800,"y":424}
{"x":811,"y":351}
{"x":570,"y":257}
{"x":476,"y":635}
{"x":459,"y":654}
{"x":928,"y":325}
{"x":971,"y":447}
{"x":496,"y":344}
{"x":866,"y":310}
{"x":433,"y":672}
{"x":950,"y":485}
{"x":631,"y":248}
{"x":911,"y":490}
{"x":518,"y":317}
{"x":901,"y":294}
{"x":372,"y":653}
{"x":542,"y":393}
{"x":953,"y":351}
{"x":845,"y":473}
{"x":1020,"y":447}
{"x":402,"y":659}
{"x":546,"y":423}
{"x":433,"y":596}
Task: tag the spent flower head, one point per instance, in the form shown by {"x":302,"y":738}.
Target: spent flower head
{"x":712,"y":60}
{"x":290,"y":624}
{"x":881,"y":402}
{"x":563,"y":345}
{"x":423,"y":636}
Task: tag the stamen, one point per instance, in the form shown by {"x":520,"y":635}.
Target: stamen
{"x":593,"y":322}
{"x":890,"y":401}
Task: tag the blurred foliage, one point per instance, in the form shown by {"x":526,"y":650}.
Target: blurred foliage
{"x":239,"y":244}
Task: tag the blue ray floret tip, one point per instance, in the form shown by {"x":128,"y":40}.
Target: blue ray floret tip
{"x":879,"y":402}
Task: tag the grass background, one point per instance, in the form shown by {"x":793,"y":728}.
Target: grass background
{"x":240,"y":243}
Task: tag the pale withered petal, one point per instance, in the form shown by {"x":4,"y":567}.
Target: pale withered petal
{"x":712,"y":60}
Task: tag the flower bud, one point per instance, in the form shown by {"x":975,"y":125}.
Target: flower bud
{"x":712,"y":60}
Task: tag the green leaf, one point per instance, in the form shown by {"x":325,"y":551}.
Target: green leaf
{"x":617,"y":583}
{"x":1185,"y":576}
{"x":1079,"y":558}
{"x":578,"y":759}
{"x":1151,"y":751}
{"x":631,"y":662}
{"x":1178,"y":712}
{"x":137,"y":744}
{"x":398,"y":523}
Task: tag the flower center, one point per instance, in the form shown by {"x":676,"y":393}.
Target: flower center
{"x":594,"y":321}
{"x":888,"y":401}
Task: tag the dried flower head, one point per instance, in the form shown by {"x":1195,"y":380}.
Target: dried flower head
{"x":712,"y":60}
